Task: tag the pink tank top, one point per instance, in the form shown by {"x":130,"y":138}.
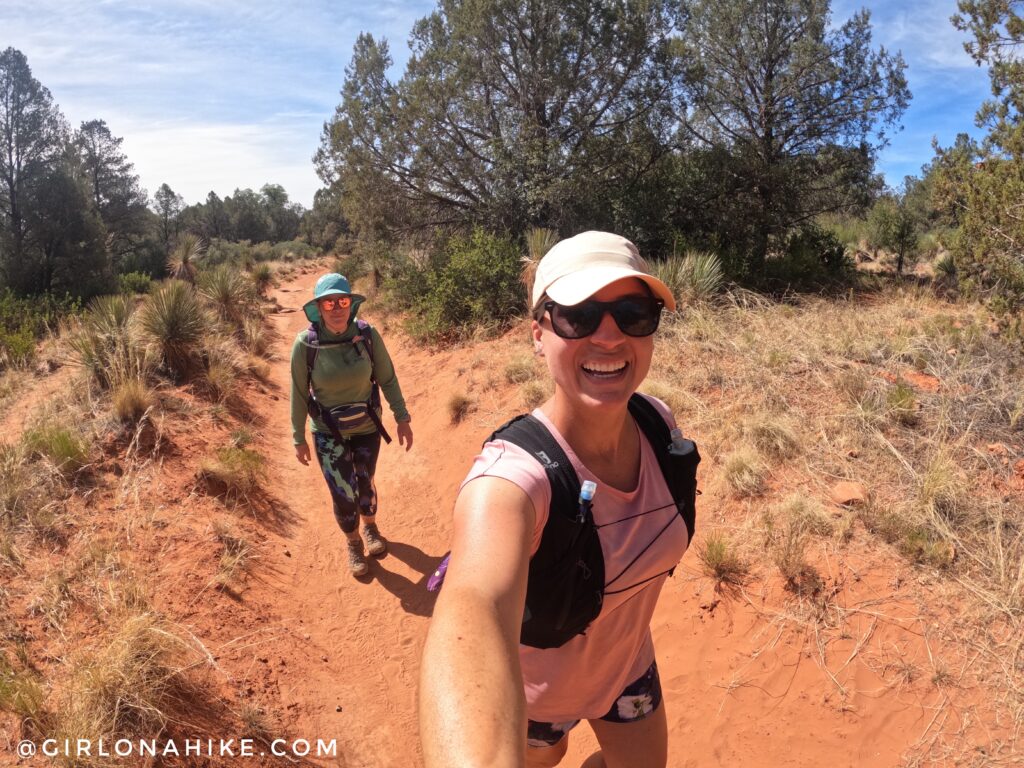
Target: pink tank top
{"x":583,"y":678}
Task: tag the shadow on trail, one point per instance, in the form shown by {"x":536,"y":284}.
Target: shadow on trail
{"x":413,"y":595}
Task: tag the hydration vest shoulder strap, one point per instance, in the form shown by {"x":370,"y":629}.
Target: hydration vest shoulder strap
{"x":529,"y":433}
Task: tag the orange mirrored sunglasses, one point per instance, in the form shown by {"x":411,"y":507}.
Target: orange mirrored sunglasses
{"x":343,"y":302}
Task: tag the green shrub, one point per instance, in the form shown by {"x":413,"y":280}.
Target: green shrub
{"x":173,"y":319}
{"x":17,"y":346}
{"x":810,"y":256}
{"x":134,"y":282}
{"x":25,"y":320}
{"x":476,"y":283}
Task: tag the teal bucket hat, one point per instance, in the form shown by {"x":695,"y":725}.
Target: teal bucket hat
{"x":331,"y":284}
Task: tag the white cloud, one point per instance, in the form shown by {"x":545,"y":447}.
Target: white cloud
{"x":208,"y":94}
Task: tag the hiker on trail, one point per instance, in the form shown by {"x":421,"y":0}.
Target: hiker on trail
{"x":565,"y":530}
{"x":339,"y":366}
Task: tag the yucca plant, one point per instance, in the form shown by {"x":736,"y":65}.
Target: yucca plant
{"x":945,"y":267}
{"x":103,"y":342}
{"x":181,"y":264}
{"x":695,"y":276}
{"x":229,"y":291}
{"x":174,"y":321}
{"x":262,"y":277}
{"x":538,"y":242}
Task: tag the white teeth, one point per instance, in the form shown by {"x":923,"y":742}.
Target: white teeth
{"x":604,"y":367}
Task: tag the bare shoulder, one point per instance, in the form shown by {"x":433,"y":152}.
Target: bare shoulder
{"x":493,"y":528}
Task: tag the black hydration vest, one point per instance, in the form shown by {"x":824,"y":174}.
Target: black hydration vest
{"x":566,"y":581}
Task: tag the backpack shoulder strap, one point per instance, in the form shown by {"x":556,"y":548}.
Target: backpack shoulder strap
{"x":530,"y":434}
{"x":312,"y":348}
{"x":680,"y":472}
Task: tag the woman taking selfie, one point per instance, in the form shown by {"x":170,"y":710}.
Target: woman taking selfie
{"x":564,"y":532}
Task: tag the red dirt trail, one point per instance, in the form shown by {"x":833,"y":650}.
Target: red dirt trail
{"x":749,"y":680}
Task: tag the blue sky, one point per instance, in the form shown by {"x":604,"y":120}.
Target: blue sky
{"x":222,"y":94}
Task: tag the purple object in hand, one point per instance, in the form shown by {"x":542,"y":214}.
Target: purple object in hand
{"x":437,"y":577}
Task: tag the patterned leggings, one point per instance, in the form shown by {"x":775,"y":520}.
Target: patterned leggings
{"x":348,"y":468}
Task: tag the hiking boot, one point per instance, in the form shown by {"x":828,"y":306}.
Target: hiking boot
{"x":375,"y":543}
{"x":356,"y":562}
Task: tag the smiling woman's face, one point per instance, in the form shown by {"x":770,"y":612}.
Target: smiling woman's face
{"x":608,"y":366}
{"x":336,"y":318}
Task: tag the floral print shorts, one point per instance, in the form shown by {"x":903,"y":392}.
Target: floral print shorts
{"x":637,"y":700}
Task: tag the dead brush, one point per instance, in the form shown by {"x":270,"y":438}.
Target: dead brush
{"x":21,"y":489}
{"x":125,"y":686}
{"x":54,"y":600}
{"x":459,"y":405}
{"x":236,"y":555}
{"x":789,"y":555}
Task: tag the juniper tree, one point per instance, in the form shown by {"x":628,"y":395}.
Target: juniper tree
{"x":794,"y":110}
{"x":511,"y":113}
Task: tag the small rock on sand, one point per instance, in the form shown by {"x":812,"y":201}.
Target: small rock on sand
{"x":849,"y":494}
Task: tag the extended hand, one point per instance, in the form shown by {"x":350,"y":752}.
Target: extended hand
{"x":405,"y":434}
{"x":302,"y":453}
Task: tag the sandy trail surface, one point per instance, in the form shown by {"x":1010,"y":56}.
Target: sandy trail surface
{"x":746,"y":682}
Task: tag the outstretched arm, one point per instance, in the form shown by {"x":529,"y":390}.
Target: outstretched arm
{"x":472,"y":709}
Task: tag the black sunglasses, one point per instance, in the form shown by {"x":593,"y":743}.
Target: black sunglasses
{"x":635,"y":315}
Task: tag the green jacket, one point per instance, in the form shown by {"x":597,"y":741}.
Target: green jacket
{"x":341,"y":374}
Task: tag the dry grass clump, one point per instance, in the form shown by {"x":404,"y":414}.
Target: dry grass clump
{"x":902,"y":404}
{"x":21,"y":693}
{"x":64,"y":447}
{"x":519,"y":370}
{"x":223,"y":364}
{"x":234,"y":472}
{"x":772,"y":438}
{"x":534,"y":393}
{"x":54,"y":599}
{"x":745,"y":472}
{"x":722,"y":560}
{"x":20,"y":490}
{"x":236,"y":555}
{"x":255,"y":336}
{"x":127,"y":686}
{"x":459,"y":405}
{"x":131,"y":399}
